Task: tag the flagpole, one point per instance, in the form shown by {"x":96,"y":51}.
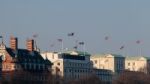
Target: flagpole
{"x":71,"y":34}
{"x":2,"y":40}
{"x":51,"y":47}
{"x":140,"y":50}
{"x":139,"y":47}
{"x":62,"y":46}
{"x":83,"y":45}
{"x":84,"y":48}
{"x":76,"y":44}
{"x":106,"y":38}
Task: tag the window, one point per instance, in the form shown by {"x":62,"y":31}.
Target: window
{"x":80,"y":70}
{"x":65,"y":70}
{"x":34,"y":67}
{"x":39,"y":67}
{"x":43,"y":66}
{"x":95,"y":61}
{"x":58,"y":63}
{"x":70,"y":70}
{"x":25,"y":60}
{"x":134,"y":63}
{"x":128,"y":64}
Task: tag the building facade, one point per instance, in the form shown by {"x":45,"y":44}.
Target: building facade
{"x":13,"y":59}
{"x":113,"y":62}
{"x":137,"y":63}
{"x":70,"y":65}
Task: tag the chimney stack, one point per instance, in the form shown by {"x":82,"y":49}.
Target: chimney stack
{"x":13,"y":43}
{"x":30,"y":45}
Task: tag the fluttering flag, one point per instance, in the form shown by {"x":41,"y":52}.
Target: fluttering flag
{"x":59,"y":40}
{"x":138,"y":41}
{"x":71,"y":34}
{"x":35,"y":35}
{"x":106,"y":38}
{"x":122,"y":47}
{"x":81,"y":43}
{"x":75,"y":47}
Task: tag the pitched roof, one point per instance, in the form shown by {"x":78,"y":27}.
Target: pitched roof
{"x":138,"y":58}
{"x":106,"y":55}
{"x":22,"y":54}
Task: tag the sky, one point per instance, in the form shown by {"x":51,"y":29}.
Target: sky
{"x":123,"y":21}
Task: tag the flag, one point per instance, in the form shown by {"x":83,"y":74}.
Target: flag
{"x":59,"y":40}
{"x":71,"y":34}
{"x":106,"y":38}
{"x":81,"y":43}
{"x":138,"y":41}
{"x":75,"y":47}
{"x":122,"y":47}
{"x":35,"y":35}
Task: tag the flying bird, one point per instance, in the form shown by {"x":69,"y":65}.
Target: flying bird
{"x":106,"y":38}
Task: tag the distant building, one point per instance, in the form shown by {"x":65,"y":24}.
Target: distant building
{"x":14,"y":59}
{"x":137,"y":63}
{"x":70,"y":64}
{"x":113,"y":62}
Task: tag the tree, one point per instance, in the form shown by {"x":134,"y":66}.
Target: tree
{"x":130,"y":77}
{"x":88,"y":80}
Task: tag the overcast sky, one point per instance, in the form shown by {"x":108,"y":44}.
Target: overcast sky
{"x":122,"y":21}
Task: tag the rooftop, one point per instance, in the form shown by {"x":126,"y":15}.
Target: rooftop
{"x":81,"y":53}
{"x":106,"y":55}
{"x":137,"y":58}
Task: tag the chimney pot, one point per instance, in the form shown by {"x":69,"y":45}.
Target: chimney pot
{"x":30,"y":45}
{"x":13,"y":43}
